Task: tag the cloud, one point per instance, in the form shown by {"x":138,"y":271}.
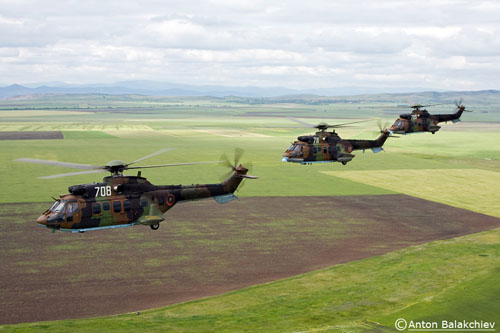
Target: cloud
{"x":440,"y":44}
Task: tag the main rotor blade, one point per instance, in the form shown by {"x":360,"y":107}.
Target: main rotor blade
{"x":353,"y":122}
{"x":167,"y":165}
{"x":56,"y":163}
{"x":151,"y":155}
{"x":226,"y":162}
{"x":309,"y":125}
{"x":71,"y":174}
{"x":426,"y":105}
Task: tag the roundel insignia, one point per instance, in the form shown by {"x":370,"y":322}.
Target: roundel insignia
{"x":348,"y":148}
{"x":170,"y":199}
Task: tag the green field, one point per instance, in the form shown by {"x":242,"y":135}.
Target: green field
{"x":473,"y":189}
{"x":458,"y":166}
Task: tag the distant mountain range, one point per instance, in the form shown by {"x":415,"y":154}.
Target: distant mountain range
{"x":152,"y":88}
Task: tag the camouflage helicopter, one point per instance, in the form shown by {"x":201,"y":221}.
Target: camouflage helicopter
{"x":122,"y":200}
{"x":422,"y":121}
{"x":326,"y":146}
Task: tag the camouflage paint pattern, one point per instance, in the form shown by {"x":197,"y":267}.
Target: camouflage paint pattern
{"x":126,"y":200}
{"x":423,"y":121}
{"x":329,"y":147}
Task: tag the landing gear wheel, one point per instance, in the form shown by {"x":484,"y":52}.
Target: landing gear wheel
{"x":344,"y":163}
{"x":155,"y":226}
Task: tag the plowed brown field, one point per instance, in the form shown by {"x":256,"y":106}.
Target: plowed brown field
{"x":26,"y":135}
{"x":204,"y":249}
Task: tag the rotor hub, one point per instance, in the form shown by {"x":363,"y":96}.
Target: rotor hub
{"x":116,"y":166}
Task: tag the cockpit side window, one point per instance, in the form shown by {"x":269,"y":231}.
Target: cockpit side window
{"x":297,"y":148}
{"x":54,"y":206}
{"x":71,"y":207}
{"x":291,"y":147}
{"x":59,"y":209}
{"x":399,"y":124}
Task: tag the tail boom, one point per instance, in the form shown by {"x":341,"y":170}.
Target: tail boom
{"x":375,"y":145}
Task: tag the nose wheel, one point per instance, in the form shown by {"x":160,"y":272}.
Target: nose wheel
{"x":155,"y":226}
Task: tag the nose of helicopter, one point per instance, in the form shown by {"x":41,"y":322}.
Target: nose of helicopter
{"x":42,"y":219}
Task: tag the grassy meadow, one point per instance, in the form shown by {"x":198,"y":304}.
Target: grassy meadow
{"x":458,"y":166}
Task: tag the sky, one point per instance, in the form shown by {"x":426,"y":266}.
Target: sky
{"x":439,"y":44}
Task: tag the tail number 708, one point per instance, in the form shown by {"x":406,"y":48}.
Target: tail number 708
{"x":103,"y":191}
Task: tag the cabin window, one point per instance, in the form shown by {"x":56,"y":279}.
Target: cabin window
{"x":161,"y":200}
{"x":96,"y":208}
{"x":126,"y":205}
{"x":144,"y":202}
{"x":105,"y":205}
{"x":117,"y":206}
{"x":71,"y":207}
{"x":324,"y":150}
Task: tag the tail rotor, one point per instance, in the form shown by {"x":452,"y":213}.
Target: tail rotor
{"x":381,"y":127}
{"x":384,"y":128}
{"x":238,"y":153}
{"x":460,"y":106}
{"x":237,"y":167}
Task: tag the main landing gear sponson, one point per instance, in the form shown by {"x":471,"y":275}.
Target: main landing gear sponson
{"x":155,"y":226}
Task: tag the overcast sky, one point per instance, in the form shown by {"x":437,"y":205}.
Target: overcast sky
{"x":443,"y":44}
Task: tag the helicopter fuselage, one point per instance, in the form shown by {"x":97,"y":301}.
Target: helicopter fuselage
{"x":407,"y":124}
{"x":121,"y":201}
{"x":423,"y":121}
{"x":328,"y":147}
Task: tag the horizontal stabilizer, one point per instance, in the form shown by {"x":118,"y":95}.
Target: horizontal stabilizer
{"x":377,"y":149}
{"x":225,"y":198}
{"x":247,"y":176}
{"x":456,"y":120}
